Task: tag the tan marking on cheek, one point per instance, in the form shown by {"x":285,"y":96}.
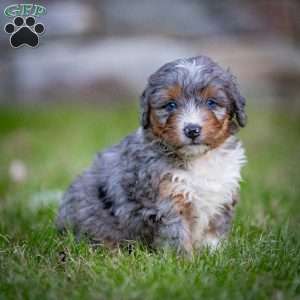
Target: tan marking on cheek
{"x":214,"y":131}
{"x":168,"y":132}
{"x":156,"y":127}
{"x":171,"y":131}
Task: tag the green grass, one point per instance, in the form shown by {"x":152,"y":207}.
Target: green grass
{"x":261,"y":259}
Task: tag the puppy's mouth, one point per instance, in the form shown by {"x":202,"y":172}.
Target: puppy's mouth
{"x":193,"y":149}
{"x":195,"y":143}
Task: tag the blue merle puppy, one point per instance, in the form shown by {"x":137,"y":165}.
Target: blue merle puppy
{"x":175,"y":181}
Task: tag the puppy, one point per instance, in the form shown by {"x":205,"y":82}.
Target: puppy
{"x":175,"y":181}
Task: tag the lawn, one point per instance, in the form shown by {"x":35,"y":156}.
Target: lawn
{"x":261,"y":259}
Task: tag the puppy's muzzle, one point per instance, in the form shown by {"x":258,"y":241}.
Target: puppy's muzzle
{"x":192,"y":131}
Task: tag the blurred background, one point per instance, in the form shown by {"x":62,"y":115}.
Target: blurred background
{"x":78,"y":91}
{"x":103,"y":51}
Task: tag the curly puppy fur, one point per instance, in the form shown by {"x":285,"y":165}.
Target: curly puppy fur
{"x":175,"y":181}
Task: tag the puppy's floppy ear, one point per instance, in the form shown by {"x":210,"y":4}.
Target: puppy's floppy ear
{"x":240,"y":113}
{"x":239,"y":102}
{"x":145,"y":110}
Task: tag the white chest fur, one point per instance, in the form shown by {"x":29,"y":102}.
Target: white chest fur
{"x":209,"y":182}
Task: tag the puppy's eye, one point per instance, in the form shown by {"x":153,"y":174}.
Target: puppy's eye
{"x":211,"y":103}
{"x":171,"y":106}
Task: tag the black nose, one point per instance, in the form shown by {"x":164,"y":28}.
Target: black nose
{"x":192,"y":131}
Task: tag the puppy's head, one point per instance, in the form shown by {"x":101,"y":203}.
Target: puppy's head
{"x":193,"y":105}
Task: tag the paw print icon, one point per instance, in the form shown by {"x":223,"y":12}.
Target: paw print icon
{"x":24,"y":32}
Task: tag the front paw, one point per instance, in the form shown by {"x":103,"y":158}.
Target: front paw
{"x":174,"y":236}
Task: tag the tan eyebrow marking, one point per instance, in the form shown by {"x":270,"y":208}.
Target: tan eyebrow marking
{"x":174,"y":92}
{"x":209,"y":92}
